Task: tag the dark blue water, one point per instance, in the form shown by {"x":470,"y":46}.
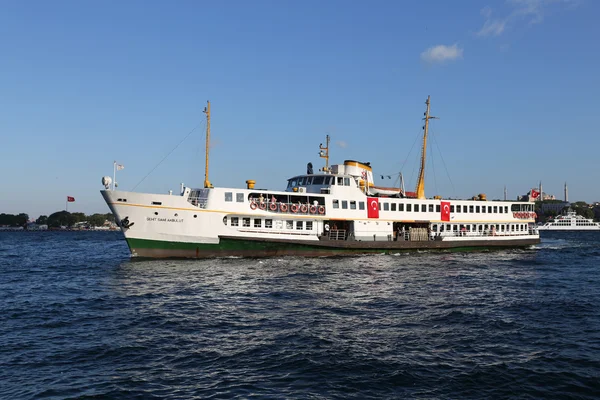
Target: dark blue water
{"x":79,"y":319}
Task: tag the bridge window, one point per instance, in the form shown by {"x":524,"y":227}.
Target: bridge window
{"x":239,"y":197}
{"x":353,"y":205}
{"x":386,"y":206}
{"x":483,"y":209}
{"x":336,"y":204}
{"x":409,"y":207}
{"x":340,"y":181}
{"x":318,"y":180}
{"x":228,"y":196}
{"x":344,"y":204}
{"x":393,"y":206}
{"x":361,"y":205}
{"x":437,"y":208}
{"x":416,"y":208}
{"x":476,"y":209}
{"x":431,"y":208}
{"x":495,"y":209}
{"x":451,"y":209}
{"x":401,"y":207}
{"x":346,"y":181}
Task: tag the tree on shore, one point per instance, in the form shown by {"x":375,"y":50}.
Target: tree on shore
{"x":14,"y":220}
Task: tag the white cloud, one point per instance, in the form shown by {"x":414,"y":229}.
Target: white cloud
{"x":492,"y":27}
{"x":442,"y":53}
{"x":531,"y":11}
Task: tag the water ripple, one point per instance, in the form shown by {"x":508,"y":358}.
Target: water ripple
{"x":79,"y":319}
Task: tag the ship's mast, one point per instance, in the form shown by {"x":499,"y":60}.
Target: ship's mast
{"x":325,"y":154}
{"x":421,"y":182}
{"x":207,"y":183}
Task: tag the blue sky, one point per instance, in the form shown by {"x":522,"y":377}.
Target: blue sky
{"x":515,"y":84}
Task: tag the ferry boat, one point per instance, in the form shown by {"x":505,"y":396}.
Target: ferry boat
{"x":336,"y":211}
{"x":570,"y":221}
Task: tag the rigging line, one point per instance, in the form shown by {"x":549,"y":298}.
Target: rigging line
{"x":445,"y":167}
{"x":407,"y":156}
{"x":165,"y":157}
{"x":435,"y":186}
{"x":397,"y":174}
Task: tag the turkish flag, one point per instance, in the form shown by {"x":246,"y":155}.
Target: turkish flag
{"x":70,"y":199}
{"x":445,"y":211}
{"x":534,"y":194}
{"x":372,"y":207}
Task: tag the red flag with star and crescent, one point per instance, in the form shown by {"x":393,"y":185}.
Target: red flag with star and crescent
{"x":445,"y":211}
{"x":372,"y":207}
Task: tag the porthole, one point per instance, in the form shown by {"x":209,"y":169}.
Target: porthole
{"x":156,"y":213}
{"x":175,"y":214}
{"x":195,"y":215}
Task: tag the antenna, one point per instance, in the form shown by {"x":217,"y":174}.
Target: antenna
{"x":325,"y":154}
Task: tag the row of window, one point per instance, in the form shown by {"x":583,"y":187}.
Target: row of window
{"x":384,"y":206}
{"x":268,"y":223}
{"x":239,"y":197}
{"x":478,"y":227}
{"x":319,"y":180}
{"x":352,"y":203}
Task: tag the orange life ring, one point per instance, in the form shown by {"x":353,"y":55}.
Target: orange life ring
{"x":304,"y":208}
{"x":313,"y":209}
{"x":321,"y":210}
{"x":273,"y":206}
{"x":283,"y":207}
{"x":262,"y":206}
{"x":294,"y":208}
{"x":253,"y":205}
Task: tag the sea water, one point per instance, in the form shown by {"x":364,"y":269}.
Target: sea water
{"x":80,"y":319}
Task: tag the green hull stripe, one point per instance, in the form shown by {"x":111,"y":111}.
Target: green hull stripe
{"x":259,"y":247}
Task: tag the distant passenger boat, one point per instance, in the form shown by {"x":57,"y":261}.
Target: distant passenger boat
{"x":570,"y":222}
{"x":338,"y":211}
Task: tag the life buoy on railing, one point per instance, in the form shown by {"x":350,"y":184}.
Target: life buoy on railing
{"x":304,"y":208}
{"x":283,"y":207}
{"x":321,"y":210}
{"x":273,"y":206}
{"x":253,"y":205}
{"x":294,"y":208}
{"x":313,"y":209}
{"x":262,"y":206}
{"x":514,"y":215}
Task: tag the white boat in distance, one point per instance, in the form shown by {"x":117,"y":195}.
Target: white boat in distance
{"x":337,"y":211}
{"x":570,"y":221}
